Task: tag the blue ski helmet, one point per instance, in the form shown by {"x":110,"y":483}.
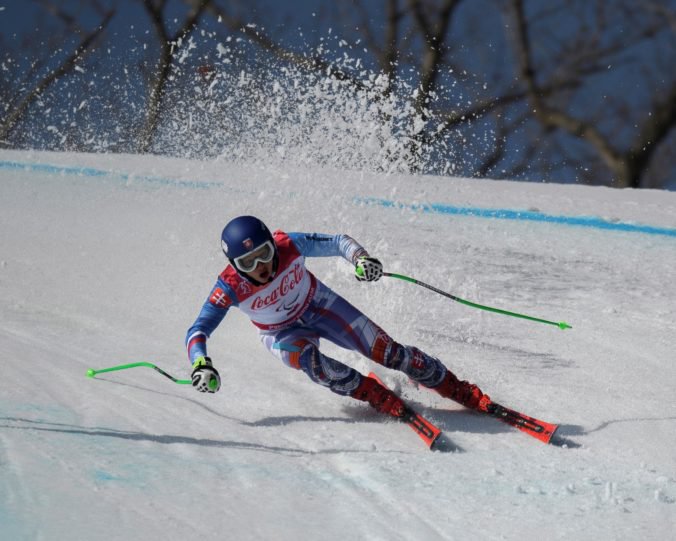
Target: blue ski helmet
{"x":242,"y":235}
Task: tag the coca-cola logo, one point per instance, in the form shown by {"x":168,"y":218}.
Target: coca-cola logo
{"x":287,"y":283}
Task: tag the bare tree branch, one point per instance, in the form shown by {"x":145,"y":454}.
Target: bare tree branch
{"x":627,"y":166}
{"x":155,"y":100}
{"x":66,"y":66}
{"x":548,"y":115}
{"x":312,"y":63}
{"x":656,"y":129}
{"x":69,"y":20}
{"x":503,"y":129}
{"x":388,"y":62}
{"x":434,"y":54}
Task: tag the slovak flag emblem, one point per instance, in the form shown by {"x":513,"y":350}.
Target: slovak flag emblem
{"x":248,"y":244}
{"x":219,"y":298}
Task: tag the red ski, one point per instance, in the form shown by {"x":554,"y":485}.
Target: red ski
{"x":533,"y":427}
{"x":421,"y":426}
{"x":430,"y":434}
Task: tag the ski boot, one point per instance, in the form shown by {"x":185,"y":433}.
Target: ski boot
{"x":380,"y":398}
{"x":463,"y":392}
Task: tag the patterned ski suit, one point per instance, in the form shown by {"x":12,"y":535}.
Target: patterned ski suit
{"x":295,"y":310}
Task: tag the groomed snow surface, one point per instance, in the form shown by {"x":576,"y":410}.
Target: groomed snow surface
{"x":106,"y":260}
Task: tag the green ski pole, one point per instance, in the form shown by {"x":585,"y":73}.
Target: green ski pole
{"x":91,"y":372}
{"x":560,"y":324}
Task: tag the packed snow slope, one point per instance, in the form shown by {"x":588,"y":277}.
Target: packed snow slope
{"x":106,"y":260}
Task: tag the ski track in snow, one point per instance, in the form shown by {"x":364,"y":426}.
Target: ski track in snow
{"x":98,"y":270}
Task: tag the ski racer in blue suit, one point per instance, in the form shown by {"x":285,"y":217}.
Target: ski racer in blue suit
{"x":293,"y":310}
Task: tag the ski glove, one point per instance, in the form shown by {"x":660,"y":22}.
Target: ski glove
{"x":205,"y":377}
{"x":368,"y":269}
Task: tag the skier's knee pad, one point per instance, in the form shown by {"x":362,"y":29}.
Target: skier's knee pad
{"x":328,"y":372}
{"x":308,"y":361}
{"x":413,"y":362}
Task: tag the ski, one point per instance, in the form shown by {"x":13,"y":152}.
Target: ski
{"x":421,"y":426}
{"x":430,"y":434}
{"x":529,"y":425}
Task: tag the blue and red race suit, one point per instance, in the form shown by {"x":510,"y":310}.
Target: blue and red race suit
{"x":295,"y":310}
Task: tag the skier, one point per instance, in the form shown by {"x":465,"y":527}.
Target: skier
{"x":267,"y":280}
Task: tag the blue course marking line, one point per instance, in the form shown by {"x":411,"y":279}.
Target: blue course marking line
{"x":522,"y":215}
{"x":435,"y":208}
{"x":92,"y":172}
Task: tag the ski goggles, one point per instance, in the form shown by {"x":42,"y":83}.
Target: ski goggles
{"x":262,"y":254}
